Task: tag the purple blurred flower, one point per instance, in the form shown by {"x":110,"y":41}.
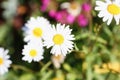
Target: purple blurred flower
{"x":44,"y":5}
{"x":82,"y":20}
{"x":86,"y":7}
{"x":64,"y":17}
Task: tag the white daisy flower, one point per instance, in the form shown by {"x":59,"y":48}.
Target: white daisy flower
{"x":4,"y":61}
{"x":61,"y":40}
{"x":72,"y":8}
{"x":109,"y":10}
{"x":36,"y":29}
{"x":32,"y":51}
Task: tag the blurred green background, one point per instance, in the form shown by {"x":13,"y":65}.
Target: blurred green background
{"x":96,"y":55}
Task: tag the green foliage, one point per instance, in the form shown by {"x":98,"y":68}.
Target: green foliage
{"x":94,"y":45}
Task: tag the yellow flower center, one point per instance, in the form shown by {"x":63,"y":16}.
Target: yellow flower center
{"x":58,"y":39}
{"x":113,"y":9}
{"x":33,"y":53}
{"x":1,"y":61}
{"x":37,"y":32}
{"x":74,"y":5}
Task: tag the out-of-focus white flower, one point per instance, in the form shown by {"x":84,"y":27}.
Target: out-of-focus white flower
{"x":32,"y":51}
{"x":36,"y":29}
{"x":73,"y":8}
{"x":4,"y":61}
{"x":109,"y":10}
{"x":10,"y":7}
{"x":57,"y":60}
{"x":60,"y":39}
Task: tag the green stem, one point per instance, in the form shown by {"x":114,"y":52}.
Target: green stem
{"x":89,"y":69}
{"x":46,"y":66}
{"x":16,"y":67}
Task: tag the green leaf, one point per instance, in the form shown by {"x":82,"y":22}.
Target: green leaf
{"x":27,"y":76}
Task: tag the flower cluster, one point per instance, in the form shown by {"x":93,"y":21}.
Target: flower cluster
{"x":69,"y":13}
{"x":97,"y":53}
{"x":40,"y":33}
{"x":109,"y":10}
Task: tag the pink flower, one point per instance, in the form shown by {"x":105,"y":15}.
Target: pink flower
{"x":70,"y":19}
{"x":64,"y":17}
{"x":44,"y":5}
{"x":52,"y":13}
{"x":82,"y":20}
{"x":86,"y":7}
